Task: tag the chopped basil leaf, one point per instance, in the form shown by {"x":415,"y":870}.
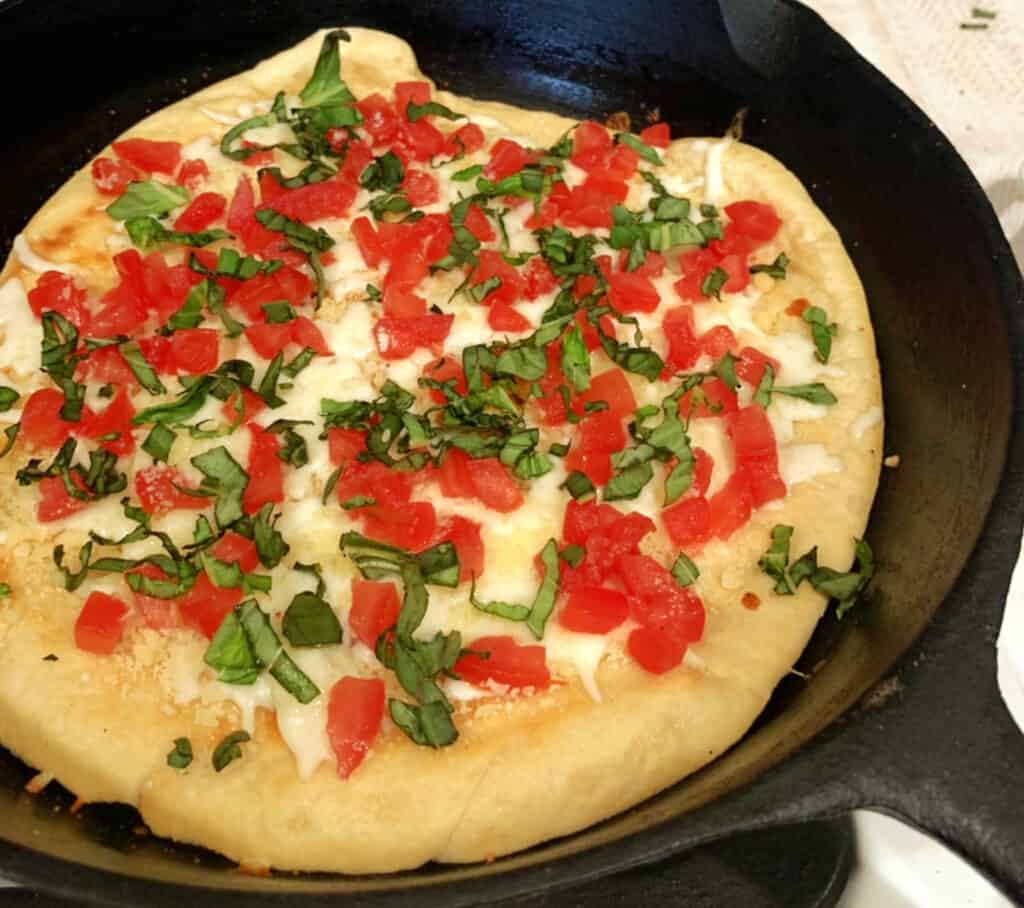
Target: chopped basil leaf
{"x":383,"y":174}
{"x":641,"y":148}
{"x":468,"y":173}
{"x":158,"y":443}
{"x":714,"y":282}
{"x":5,"y":591}
{"x":296,"y":231}
{"x":11,"y":434}
{"x":576,"y":359}
{"x":149,"y":197}
{"x":310,"y":621}
{"x":481,"y":291}
{"x":279,"y":313}
{"x":231,"y":654}
{"x":229,"y":749}
{"x":763,"y":395}
{"x":429,"y":725}
{"x":725,"y":369}
{"x":815,"y":393}
{"x":325,"y":87}
{"x":775,"y":561}
{"x":776,"y":269}
{"x":629,"y":482}
{"x":849,"y":586}
{"x":278,"y":114}
{"x":146,"y":232}
{"x":415,"y":112}
{"x":141,"y":368}
{"x":821,"y":331}
{"x":267,"y":647}
{"x":181,"y":756}
{"x":268,"y":385}
{"x":8,"y":398}
{"x":358,"y":501}
{"x":708,"y":211}
{"x":684,"y":570}
{"x":544,"y":601}
{"x":804,"y":567}
{"x":223,"y":475}
{"x":578,"y":485}
{"x":573,"y":555}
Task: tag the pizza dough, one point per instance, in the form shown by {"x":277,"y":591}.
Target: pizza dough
{"x":525,"y":768}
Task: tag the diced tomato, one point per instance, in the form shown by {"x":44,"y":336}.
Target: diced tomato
{"x":494,"y":485}
{"x":412,"y":526}
{"x":284,"y":284}
{"x":703,"y":466}
{"x":205,"y":209}
{"x":157,"y":489}
{"x":754,"y":219}
{"x":165,"y":288}
{"x":307,"y":335}
{"x":654,"y":651}
{"x":118,"y":316}
{"x":479,"y":224}
{"x":205,"y":605}
{"x":355,"y":712}
{"x":242,"y":221}
{"x":600,"y":436}
{"x":375,"y":608}
{"x":114,"y":420}
{"x":688,"y":521}
{"x":58,"y":292}
{"x":358,"y":156}
{"x":590,"y":143}
{"x":590,"y":206}
{"x":402,"y":303}
{"x":265,"y":469}
{"x":421,"y":188}
{"x":798,"y":307}
{"x":605,"y":186}
{"x":683,"y":347}
{"x":446,"y":369}
{"x":234,"y":547}
{"x":605,"y":548}
{"x":193,"y":174}
{"x":453,"y":475}
{"x":194,"y":351}
{"x":493,"y":265}
{"x":158,"y":614}
{"x":719,"y":400}
{"x":594,"y":610}
{"x":368,"y":241}
{"x":464,"y":534}
{"x":396,"y":338}
{"x":503,"y":317}
{"x":621,"y":164}
{"x":252,"y":406}
{"x":717,"y":342}
{"x":388,"y":488}
{"x":269,"y":339}
{"x":408,"y":268}
{"x":112,"y":177}
{"x":41,"y":425}
{"x":420,"y":141}
{"x":54,"y":501}
{"x":750,"y":365}
{"x":258,"y":158}
{"x":507,"y":663}
{"x":696,"y":265}
{"x":658,"y":601}
{"x":148,"y":155}
{"x":100,"y":624}
{"x":613,"y":387}
{"x":379,"y":118}
{"x":540,"y":279}
{"x":344,"y":445}
{"x":652,"y":266}
{"x":507,"y":158}
{"x":467,"y":139}
{"x":584,"y":519}
{"x":757,"y":455}
{"x":106,"y":366}
{"x":407,"y":93}
{"x":327,"y":199}
{"x":730,"y":507}
{"x":657,"y":135}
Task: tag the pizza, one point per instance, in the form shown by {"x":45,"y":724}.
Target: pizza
{"x":390,"y":476}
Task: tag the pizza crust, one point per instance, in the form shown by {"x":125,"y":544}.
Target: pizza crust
{"x":524,"y":769}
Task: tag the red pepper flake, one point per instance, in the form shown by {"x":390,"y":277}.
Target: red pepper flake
{"x":750,"y":601}
{"x":798,"y":307}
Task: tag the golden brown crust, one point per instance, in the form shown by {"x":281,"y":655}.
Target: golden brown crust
{"x":524,"y":770}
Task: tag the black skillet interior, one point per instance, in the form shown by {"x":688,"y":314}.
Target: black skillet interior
{"x":945,"y":297}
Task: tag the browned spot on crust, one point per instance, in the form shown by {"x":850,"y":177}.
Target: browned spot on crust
{"x":619,"y":121}
{"x":750,"y":600}
{"x":254,"y":869}
{"x":882,"y":693}
{"x":38,"y":782}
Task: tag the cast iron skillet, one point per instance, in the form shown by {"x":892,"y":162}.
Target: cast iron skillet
{"x":933,"y":743}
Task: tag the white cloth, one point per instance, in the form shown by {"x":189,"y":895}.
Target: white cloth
{"x":971,"y":83}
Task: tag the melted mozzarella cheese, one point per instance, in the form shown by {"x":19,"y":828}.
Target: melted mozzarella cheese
{"x":865,"y":421}
{"x":582,"y":651}
{"x":800,"y":463}
{"x":35,"y":262}
{"x":21,"y":331}
{"x":714,"y":174}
